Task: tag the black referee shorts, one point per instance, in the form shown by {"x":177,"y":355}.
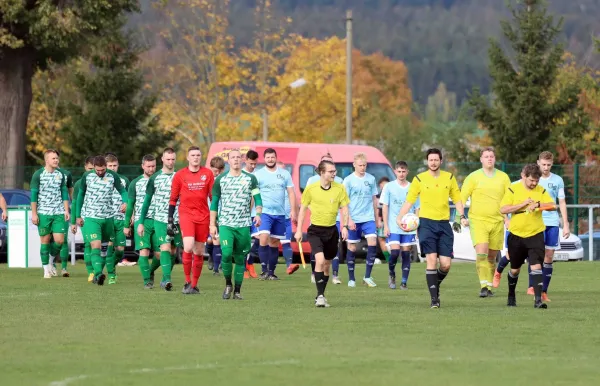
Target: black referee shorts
{"x":324,"y":239}
{"x":520,"y":248}
{"x":436,"y":236}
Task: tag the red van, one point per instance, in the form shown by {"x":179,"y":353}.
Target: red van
{"x":301,"y":160}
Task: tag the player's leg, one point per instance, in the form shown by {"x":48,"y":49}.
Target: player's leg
{"x":64,"y":253}
{"x":209,"y":252}
{"x":92,"y":233}
{"x":226,"y":235}
{"x":496,"y":242}
{"x":108,"y":235}
{"x":120,"y":241}
{"x":406,"y":244}
{"x":393,"y":241}
{"x":87,"y":260}
{"x":59,"y":235}
{"x":370,"y":231}
{"x":143,"y":245}
{"x":264,"y":248}
{"x":200,"y":237}
{"x":176,"y":245}
{"x":335,"y":264}
{"x":552,"y":241}
{"x":326,"y":243}
{"x":286,"y":246}
{"x":502,"y":264}
{"x":518,"y":254}
{"x":217,"y":255}
{"x":45,"y":233}
{"x":240,"y":250}
{"x":381,"y":239}
{"x":480,"y":240}
{"x":162,"y":245}
{"x":352,"y":241}
{"x":445,"y":249}
{"x":535,"y":252}
{"x":276,"y":234}
{"x":254,"y":245}
{"x":428,"y":240}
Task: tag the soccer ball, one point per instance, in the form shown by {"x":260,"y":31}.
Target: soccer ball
{"x":410,"y":222}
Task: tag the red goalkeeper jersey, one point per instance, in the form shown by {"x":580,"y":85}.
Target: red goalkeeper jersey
{"x":193,"y":189}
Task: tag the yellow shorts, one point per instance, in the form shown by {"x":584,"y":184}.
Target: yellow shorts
{"x":484,"y":232}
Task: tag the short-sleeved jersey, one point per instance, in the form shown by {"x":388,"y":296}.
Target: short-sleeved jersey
{"x":317,"y":178}
{"x":232,"y":197}
{"x":137,"y":193}
{"x":525,"y":224}
{"x":361,"y":191}
{"x":49,"y":191}
{"x":434,"y":193}
{"x":192,"y":190}
{"x":94,"y":199}
{"x":272,"y":187}
{"x":74,"y":203}
{"x":69,"y":178}
{"x":158,"y":191}
{"x":486,"y":193}
{"x":117,"y":200}
{"x":324,"y":204}
{"x":555,"y":186}
{"x":394,"y":196}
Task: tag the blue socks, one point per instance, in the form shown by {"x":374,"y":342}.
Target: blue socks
{"x":503,"y":263}
{"x":264,"y":253}
{"x":274,"y":256}
{"x":335,"y":265}
{"x":547,"y":270}
{"x":371,"y":254}
{"x":350,"y":262}
{"x":209,"y":250}
{"x":216,"y":253}
{"x":394,"y":254}
{"x":405,"y":266}
{"x":253,"y":251}
{"x":288,"y":253}
{"x":313,"y":263}
{"x":530,"y":278}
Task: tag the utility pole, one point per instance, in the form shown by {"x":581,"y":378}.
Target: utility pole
{"x":349,"y":76}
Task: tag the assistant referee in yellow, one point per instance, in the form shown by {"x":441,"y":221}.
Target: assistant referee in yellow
{"x":435,"y":187}
{"x":325,"y":199}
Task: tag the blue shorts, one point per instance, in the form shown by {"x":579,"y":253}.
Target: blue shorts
{"x":273,"y":225}
{"x":552,"y":238}
{"x":367,"y":229}
{"x":288,"y":232}
{"x":506,"y":239}
{"x":402,"y":240}
{"x":436,"y":237}
{"x":253,"y":229}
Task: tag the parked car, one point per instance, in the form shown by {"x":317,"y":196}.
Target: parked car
{"x":585,"y":244}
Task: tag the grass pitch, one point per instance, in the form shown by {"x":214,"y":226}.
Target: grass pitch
{"x":64,"y":331}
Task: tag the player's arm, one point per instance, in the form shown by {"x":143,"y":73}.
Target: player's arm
{"x":413,"y":194}
{"x":344,"y":201}
{"x":35,"y":190}
{"x":130,"y":203}
{"x":3,"y":207}
{"x":562,"y":205}
{"x":257,"y":199}
{"x":467,"y":188}
{"x":304,"y":203}
{"x":175,"y":190}
{"x":65,"y":195}
{"x":508,"y":206}
{"x":292,"y":198}
{"x":385,"y":208}
{"x":70,"y":187}
{"x":456,"y":198}
{"x":214,"y":206}
{"x":120,"y":188}
{"x":79,"y":200}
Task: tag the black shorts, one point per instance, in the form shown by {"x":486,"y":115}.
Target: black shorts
{"x":324,"y":239}
{"x":521,"y":248}
{"x":436,"y":236}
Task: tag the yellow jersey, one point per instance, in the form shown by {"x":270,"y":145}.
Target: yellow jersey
{"x":434,"y":193}
{"x":324,"y":204}
{"x":525,"y":224}
{"x":486,"y":194}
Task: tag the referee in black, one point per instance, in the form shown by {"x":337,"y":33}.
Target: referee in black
{"x":526,"y":230}
{"x":325,"y":198}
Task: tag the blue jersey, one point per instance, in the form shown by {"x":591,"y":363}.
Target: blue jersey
{"x":361,"y":191}
{"x":273,"y":186}
{"x":394,"y":196}
{"x":316,"y":178}
{"x":555,"y":186}
{"x":288,"y":208}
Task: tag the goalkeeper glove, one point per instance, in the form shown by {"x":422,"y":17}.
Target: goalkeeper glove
{"x":456,"y":227}
{"x":171,"y":228}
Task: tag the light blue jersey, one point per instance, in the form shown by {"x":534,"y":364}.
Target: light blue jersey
{"x":393,"y":195}
{"x":361,"y":192}
{"x":316,"y":178}
{"x":288,"y":208}
{"x":253,"y":209}
{"x":273,"y":186}
{"x":556,"y":188}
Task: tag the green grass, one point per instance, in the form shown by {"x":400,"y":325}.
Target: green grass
{"x":69,"y":332}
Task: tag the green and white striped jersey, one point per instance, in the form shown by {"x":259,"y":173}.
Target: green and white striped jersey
{"x":158,"y":194}
{"x":234,"y":194}
{"x":116,"y":199}
{"x":137,"y":192}
{"x":95,"y":197}
{"x":49,"y":191}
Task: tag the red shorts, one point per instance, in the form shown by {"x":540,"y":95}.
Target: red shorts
{"x":192,"y":229}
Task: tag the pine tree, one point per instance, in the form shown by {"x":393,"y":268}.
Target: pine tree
{"x":522,"y":118}
{"x":112,"y":114}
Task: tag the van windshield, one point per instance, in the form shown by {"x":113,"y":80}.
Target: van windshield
{"x":344,"y":169}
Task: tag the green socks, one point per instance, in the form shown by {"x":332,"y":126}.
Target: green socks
{"x":165,"y":263}
{"x":96,"y":261}
{"x":173,"y":261}
{"x":87,"y":258}
{"x":119,"y":255}
{"x":156,"y":263}
{"x":45,"y":253}
{"x":227,"y":264}
{"x":238,"y":275}
{"x":64,"y":254}
{"x":144,"y":265}
{"x":110,"y":261}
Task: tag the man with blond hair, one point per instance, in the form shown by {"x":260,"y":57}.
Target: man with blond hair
{"x":362,"y":191}
{"x":485,"y":187}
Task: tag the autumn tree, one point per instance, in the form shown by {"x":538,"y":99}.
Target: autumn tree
{"x":32,"y":34}
{"x":522,"y":118}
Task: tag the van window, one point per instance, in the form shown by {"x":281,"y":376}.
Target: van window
{"x":306,"y":171}
{"x":378,"y":170}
